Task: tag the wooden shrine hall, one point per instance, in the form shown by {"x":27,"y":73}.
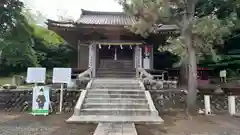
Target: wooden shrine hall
{"x":104,"y":43}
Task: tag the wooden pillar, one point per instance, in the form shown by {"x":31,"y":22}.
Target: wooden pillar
{"x":94,"y":49}
{"x":152,"y":59}
{"x":78,"y":54}
{"x":92,"y":59}
{"x":137,"y":57}
{"x":140,"y":57}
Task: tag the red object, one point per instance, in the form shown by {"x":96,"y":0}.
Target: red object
{"x":202,"y":68}
{"x":203,"y":76}
{"x":147,"y":49}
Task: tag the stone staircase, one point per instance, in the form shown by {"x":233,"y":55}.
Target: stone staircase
{"x":116,"y":69}
{"x":115,"y":100}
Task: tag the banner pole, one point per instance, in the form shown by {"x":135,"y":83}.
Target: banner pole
{"x":61,"y":98}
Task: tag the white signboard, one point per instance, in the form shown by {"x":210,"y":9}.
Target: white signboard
{"x":36,"y":75}
{"x":223,"y":73}
{"x":62,"y":75}
{"x":41,"y":100}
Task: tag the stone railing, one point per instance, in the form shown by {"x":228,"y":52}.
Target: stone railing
{"x":86,"y":75}
{"x":155,"y":82}
{"x":143,"y":74}
{"x":83,"y":78}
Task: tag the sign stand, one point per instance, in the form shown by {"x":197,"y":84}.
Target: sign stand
{"x":61,"y":75}
{"x":41,"y":98}
{"x":61,"y":98}
{"x":223,"y":76}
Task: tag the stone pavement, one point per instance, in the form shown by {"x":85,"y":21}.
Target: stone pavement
{"x":115,"y":129}
{"x":177,"y":124}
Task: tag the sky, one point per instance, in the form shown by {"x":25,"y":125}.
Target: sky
{"x":71,"y":8}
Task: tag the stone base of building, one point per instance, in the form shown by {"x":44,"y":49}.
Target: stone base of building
{"x":165,"y":101}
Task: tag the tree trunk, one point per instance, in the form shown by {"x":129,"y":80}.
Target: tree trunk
{"x":192,"y":76}
{"x":184,"y":73}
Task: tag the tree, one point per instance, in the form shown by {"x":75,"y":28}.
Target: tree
{"x":16,"y":36}
{"x":181,"y":13}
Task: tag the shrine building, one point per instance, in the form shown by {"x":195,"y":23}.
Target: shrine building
{"x":103,"y":42}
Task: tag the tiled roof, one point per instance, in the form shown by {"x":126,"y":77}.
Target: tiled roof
{"x":105,"y":18}
{"x":60,"y":23}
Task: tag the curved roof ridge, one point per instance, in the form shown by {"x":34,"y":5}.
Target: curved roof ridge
{"x":89,"y":12}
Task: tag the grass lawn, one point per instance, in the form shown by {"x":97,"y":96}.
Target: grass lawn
{"x":5,"y":80}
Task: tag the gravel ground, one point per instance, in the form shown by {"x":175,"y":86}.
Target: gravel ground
{"x":199,"y":125}
{"x":25,"y":124}
{"x":178,"y":124}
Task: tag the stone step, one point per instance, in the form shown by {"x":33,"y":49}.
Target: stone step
{"x":116,"y":67}
{"x":117,"y":90}
{"x":115,"y":95}
{"x":100,"y":91}
{"x":116,"y":105}
{"x":117,"y":119}
{"x":114,"y":100}
{"x":115,"y":76}
{"x":114,"y":87}
{"x":112,"y":74}
{"x":117,"y":84}
{"x":115,"y":111}
{"x":119,"y":68}
{"x":107,"y":69}
{"x":115,"y":80}
{"x":116,"y":72}
{"x":115,"y":63}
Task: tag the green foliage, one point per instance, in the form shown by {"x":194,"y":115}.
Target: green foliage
{"x":25,"y":44}
{"x":213,"y":22}
{"x":208,"y":33}
{"x":16,"y":36}
{"x":48,"y":37}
